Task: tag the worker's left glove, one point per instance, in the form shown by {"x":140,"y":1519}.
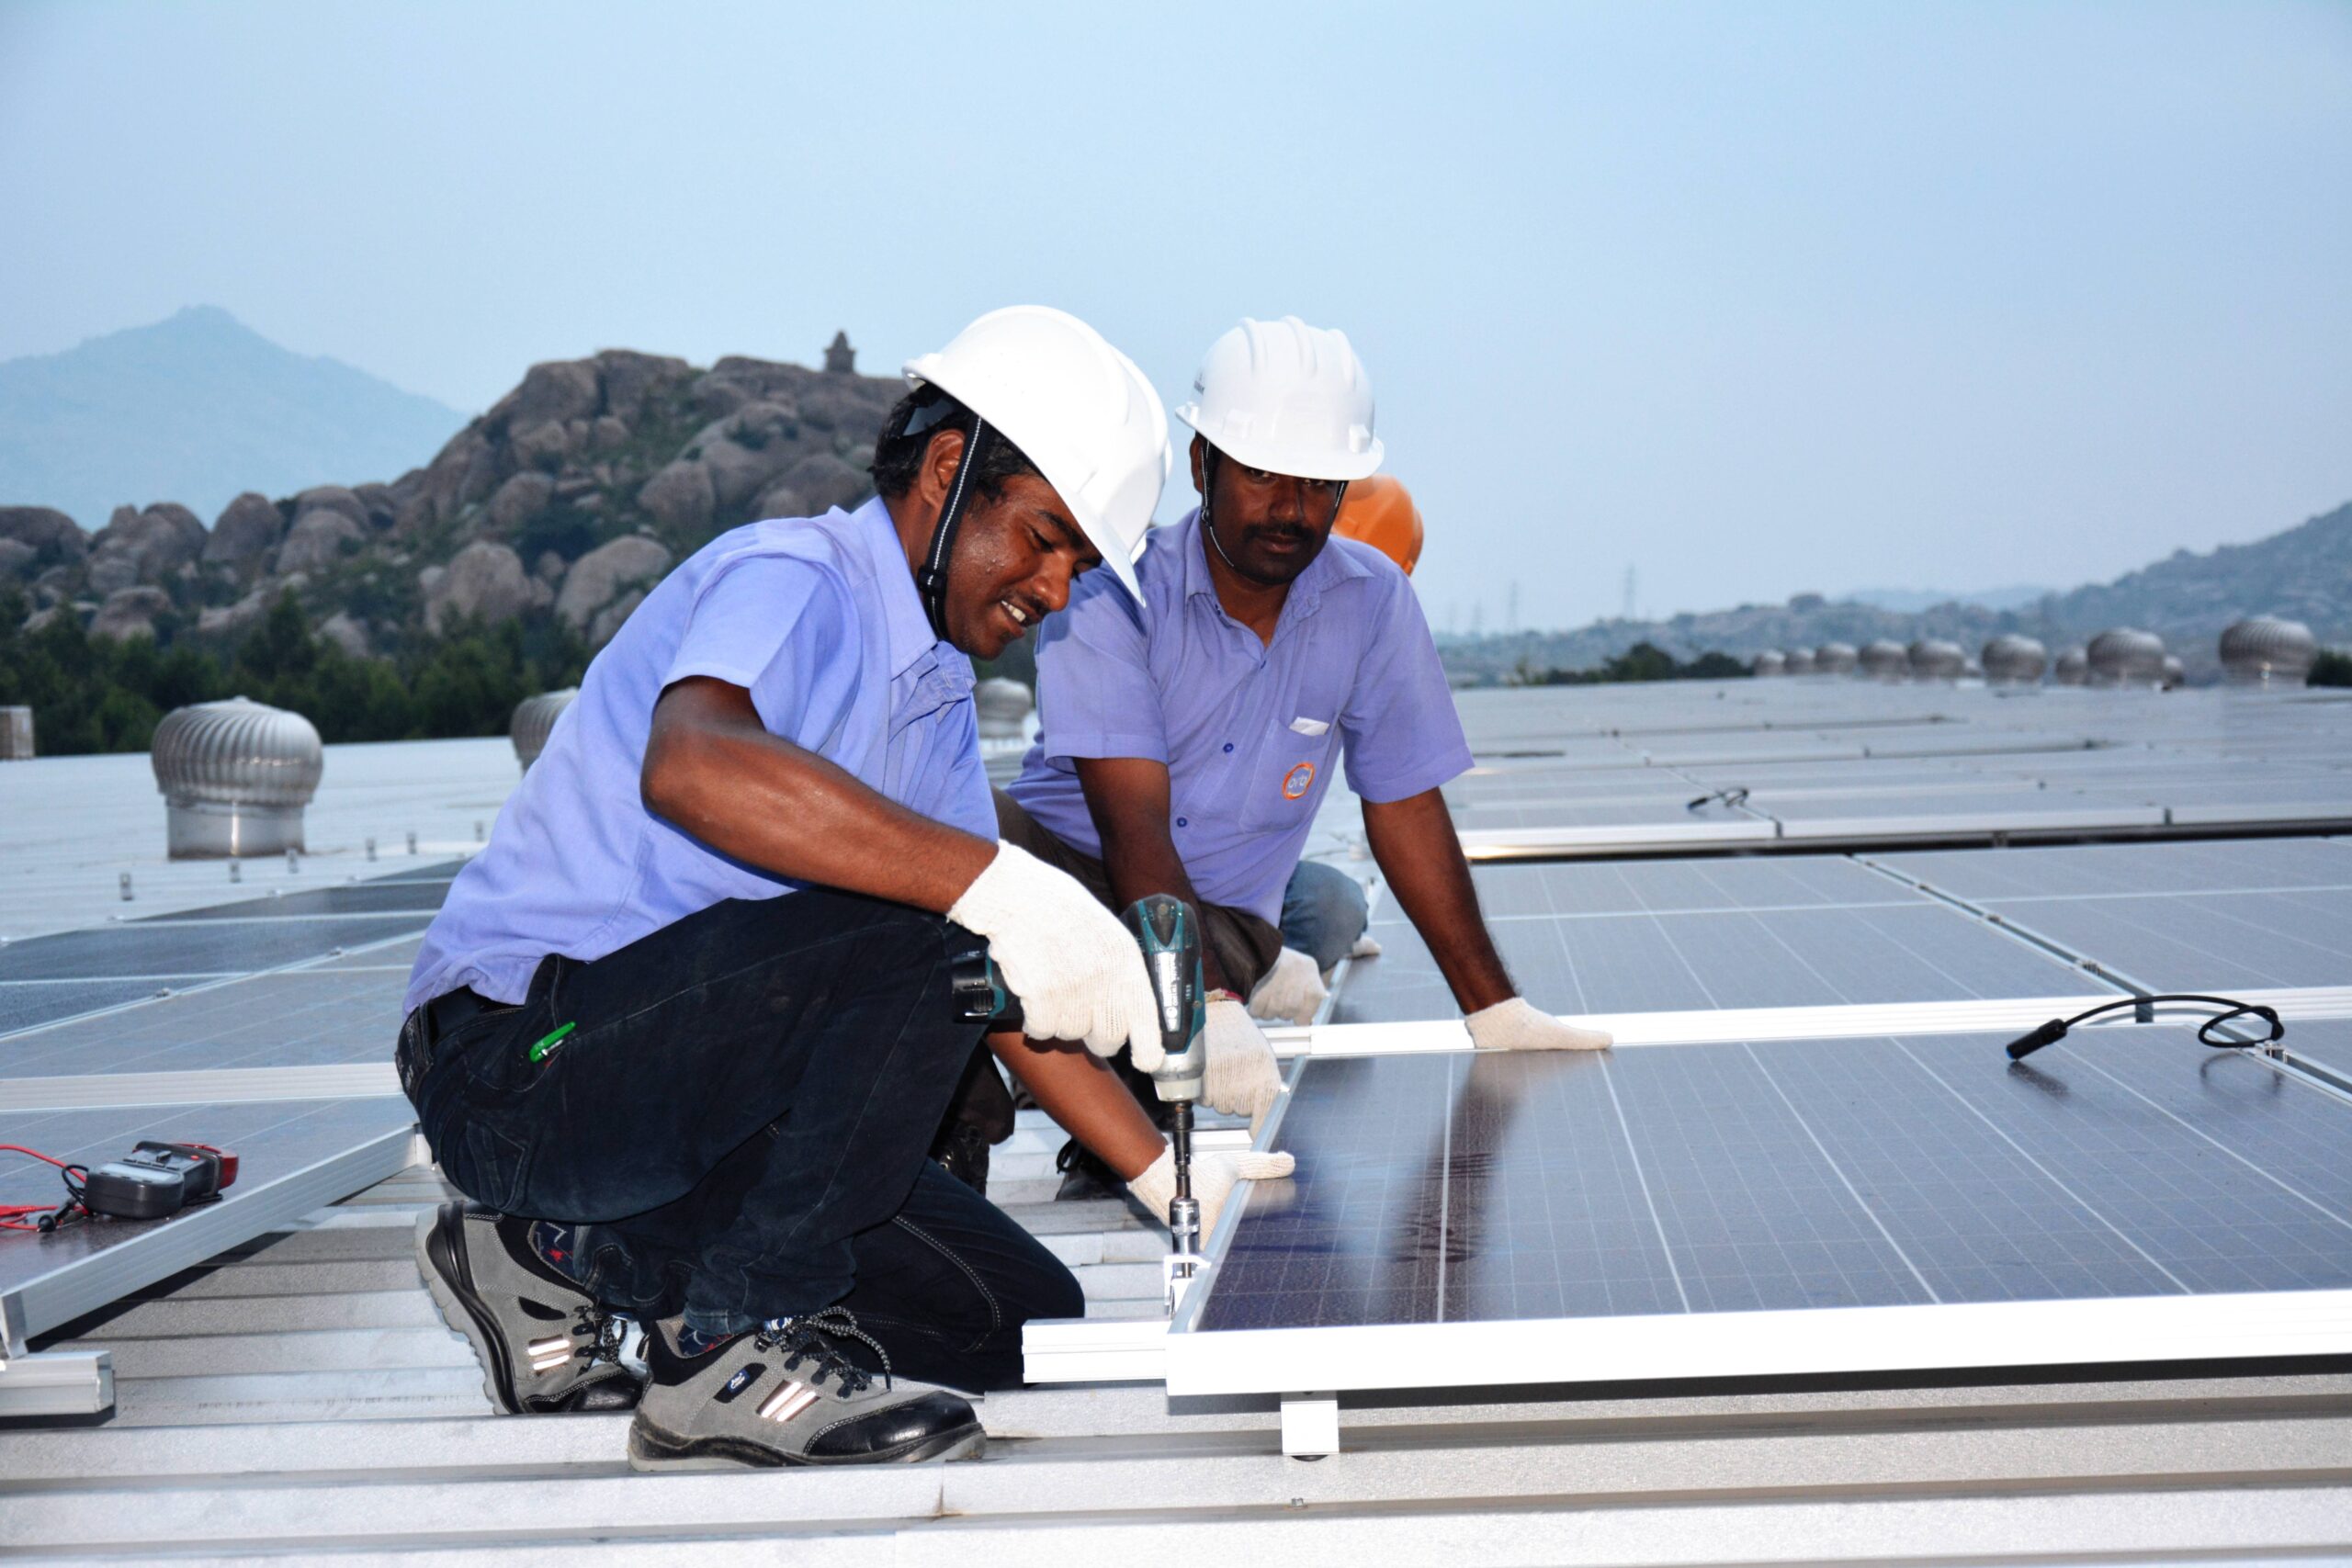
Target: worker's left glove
{"x":1519,"y":1025}
{"x":1290,"y":991}
{"x":1242,"y":1078}
{"x":1214,"y":1176}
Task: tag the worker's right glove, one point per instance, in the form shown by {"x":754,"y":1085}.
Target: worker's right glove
{"x":1242,"y":1078}
{"x":1519,"y":1025}
{"x":1076,"y":969}
{"x":1290,"y":991}
{"x":1214,"y":1175}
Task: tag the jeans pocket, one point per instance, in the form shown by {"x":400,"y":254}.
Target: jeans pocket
{"x":493,"y":1167}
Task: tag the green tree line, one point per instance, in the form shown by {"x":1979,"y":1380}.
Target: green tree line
{"x":96,"y":694}
{"x":1643,"y":661}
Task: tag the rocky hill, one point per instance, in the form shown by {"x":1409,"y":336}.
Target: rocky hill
{"x":198,"y":408}
{"x":578,"y":489}
{"x":2304,"y":573}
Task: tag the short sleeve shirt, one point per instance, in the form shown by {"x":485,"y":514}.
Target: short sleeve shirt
{"x":1249,"y":730}
{"x":817,"y":618}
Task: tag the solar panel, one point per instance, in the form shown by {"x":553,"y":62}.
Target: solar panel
{"x":146,"y":947}
{"x":405,"y":897}
{"x":27,"y":1004}
{"x":1705,"y":1180}
{"x":2323,"y":1042}
{"x":2203,"y":941}
{"x":1919,"y":951}
{"x":2088,"y":870}
{"x":293,"y":1156}
{"x":294,"y":1019}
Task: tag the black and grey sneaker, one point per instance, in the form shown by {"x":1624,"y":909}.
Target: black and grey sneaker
{"x":544,"y":1343}
{"x":785,"y":1397}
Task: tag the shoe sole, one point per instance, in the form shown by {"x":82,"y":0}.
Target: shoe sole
{"x":653,"y":1448}
{"x":441,"y":1259}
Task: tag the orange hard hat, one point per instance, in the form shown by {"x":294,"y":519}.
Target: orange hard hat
{"x":1379,"y":512}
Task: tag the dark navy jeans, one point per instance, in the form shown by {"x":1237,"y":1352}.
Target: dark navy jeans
{"x":738,"y":1115}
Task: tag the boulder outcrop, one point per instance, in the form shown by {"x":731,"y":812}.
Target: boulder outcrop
{"x":601,"y":575}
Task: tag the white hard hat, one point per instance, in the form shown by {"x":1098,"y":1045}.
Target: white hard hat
{"x":1077,"y":408}
{"x":1287,"y":398}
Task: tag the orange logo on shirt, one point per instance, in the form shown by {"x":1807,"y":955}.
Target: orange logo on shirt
{"x":1297,"y":781}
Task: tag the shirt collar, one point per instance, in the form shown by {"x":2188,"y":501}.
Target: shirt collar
{"x":906,"y":628}
{"x":1330,"y":567}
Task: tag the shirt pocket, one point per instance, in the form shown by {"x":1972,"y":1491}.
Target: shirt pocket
{"x":1286,"y":779}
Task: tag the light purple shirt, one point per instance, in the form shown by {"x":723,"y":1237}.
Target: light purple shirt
{"x":1248,"y":729}
{"x":819,"y":619}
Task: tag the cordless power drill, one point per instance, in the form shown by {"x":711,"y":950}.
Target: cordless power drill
{"x":1164,"y":928}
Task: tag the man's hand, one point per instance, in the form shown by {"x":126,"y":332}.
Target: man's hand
{"x":1290,"y":991}
{"x":1243,"y":1078}
{"x":1214,"y":1176}
{"x":1519,"y":1025}
{"x":1076,"y":969}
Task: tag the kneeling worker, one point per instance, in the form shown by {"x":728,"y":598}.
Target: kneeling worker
{"x":1186,"y":750}
{"x":684,"y":1028}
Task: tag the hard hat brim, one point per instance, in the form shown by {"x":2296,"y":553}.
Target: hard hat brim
{"x":1339,"y":467}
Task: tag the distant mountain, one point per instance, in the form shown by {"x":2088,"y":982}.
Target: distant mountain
{"x":194,"y":410}
{"x":1911,"y":601}
{"x":2303,"y":573}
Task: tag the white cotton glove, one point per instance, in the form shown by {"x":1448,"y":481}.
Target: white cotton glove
{"x":1214,"y":1179}
{"x":1242,"y":1078}
{"x":1364,"y":948}
{"x":1290,"y":991}
{"x":1076,"y":969}
{"x":1517,"y":1025}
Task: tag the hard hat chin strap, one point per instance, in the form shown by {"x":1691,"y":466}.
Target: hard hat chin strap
{"x":931,"y":579}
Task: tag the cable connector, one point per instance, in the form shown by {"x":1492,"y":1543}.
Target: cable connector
{"x":2049,"y":1033}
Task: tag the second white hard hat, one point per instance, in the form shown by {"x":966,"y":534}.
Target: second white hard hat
{"x":1287,"y":398}
{"x":1077,"y":408}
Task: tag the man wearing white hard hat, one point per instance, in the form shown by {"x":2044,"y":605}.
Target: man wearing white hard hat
{"x":1185,"y":749}
{"x":683,"y":1029}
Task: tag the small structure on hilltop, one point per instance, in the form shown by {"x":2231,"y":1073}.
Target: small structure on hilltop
{"x":2126,"y":656}
{"x":840,"y":358}
{"x":235,"y":776}
{"x":534,"y":721}
{"x":2268,"y":650}
{"x":2015,"y":660}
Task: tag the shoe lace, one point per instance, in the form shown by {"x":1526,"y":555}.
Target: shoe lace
{"x":599,"y":1335}
{"x":804,"y":1338}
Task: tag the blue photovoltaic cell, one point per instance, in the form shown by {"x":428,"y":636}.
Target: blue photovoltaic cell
{"x":1706,"y":1179}
{"x":302,"y":1018}
{"x":1898,"y":951}
{"x":25,"y":1005}
{"x":2204,"y":942}
{"x":144,"y":947}
{"x":2100,"y":870}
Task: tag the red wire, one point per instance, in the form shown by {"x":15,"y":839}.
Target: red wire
{"x":9,"y":1211}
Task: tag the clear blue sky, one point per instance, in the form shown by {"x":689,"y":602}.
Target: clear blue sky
{"x":1756,"y":299}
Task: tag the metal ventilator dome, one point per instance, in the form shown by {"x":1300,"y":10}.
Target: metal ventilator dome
{"x":534,"y":721}
{"x":2175,"y":673}
{"x":1004,"y":707}
{"x":2072,"y":668}
{"x":1884,"y":661}
{"x":2268,"y":651}
{"x":2124,"y":656}
{"x":1771,"y":662}
{"x":2015,"y":658}
{"x":1933,"y":658}
{"x":1800,"y":661}
{"x":234,"y":777}
{"x":1835,"y":659}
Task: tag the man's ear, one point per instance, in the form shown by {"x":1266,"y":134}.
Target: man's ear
{"x":939,"y":459}
{"x":1200,"y":466}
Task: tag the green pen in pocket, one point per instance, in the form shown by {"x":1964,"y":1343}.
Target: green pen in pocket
{"x":549,"y":1041}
